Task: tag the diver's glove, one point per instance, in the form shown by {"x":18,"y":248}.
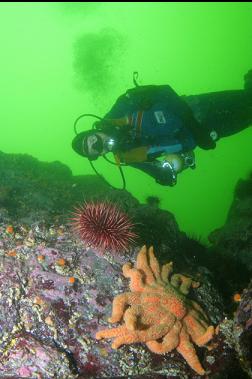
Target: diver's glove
{"x":205,"y":141}
{"x":201,"y":134}
{"x":163,"y":172}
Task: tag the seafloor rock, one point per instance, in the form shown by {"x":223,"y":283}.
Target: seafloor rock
{"x":55,"y":293}
{"x":35,"y":192}
{"x":41,"y":193}
{"x":230,"y":256}
{"x":10,"y":295}
{"x":50,"y":319}
{"x":49,"y":189}
{"x":28,"y":358}
{"x":235,"y":238}
{"x":243,"y":330}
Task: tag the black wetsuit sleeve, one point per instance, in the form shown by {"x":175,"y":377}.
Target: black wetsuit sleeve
{"x":225,"y":112}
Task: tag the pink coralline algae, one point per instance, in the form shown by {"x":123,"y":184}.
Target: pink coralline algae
{"x":48,"y":324}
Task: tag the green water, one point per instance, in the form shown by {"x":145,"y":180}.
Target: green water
{"x":59,"y":60}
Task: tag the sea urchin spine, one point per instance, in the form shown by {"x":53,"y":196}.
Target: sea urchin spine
{"x":103,"y":226}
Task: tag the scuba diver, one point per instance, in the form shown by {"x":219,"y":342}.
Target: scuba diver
{"x":153,"y":129}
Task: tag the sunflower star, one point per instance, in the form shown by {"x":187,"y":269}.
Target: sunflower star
{"x":157,"y":311}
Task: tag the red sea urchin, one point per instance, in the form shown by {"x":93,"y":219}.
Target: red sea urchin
{"x":103,"y":226}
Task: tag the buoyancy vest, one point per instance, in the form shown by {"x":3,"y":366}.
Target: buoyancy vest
{"x":155,"y":121}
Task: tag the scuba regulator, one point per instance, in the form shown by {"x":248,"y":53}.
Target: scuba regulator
{"x":80,"y":145}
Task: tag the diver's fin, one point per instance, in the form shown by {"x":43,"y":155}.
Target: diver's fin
{"x":248,"y":81}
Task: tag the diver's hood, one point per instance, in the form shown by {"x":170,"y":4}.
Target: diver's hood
{"x":78,"y":144}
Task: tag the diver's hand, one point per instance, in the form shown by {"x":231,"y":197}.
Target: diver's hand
{"x":204,"y":139}
{"x":206,"y":144}
{"x":201,"y":135}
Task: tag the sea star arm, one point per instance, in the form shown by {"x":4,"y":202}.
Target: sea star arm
{"x":123,"y":336}
{"x":206,"y":337}
{"x":186,"y":349}
{"x":166,"y":271}
{"x":136,"y":277}
{"x":119,"y":304}
{"x":111,"y":333}
{"x":199,"y":321}
{"x":154,"y":265}
{"x":143,"y":265}
{"x":199,"y":310}
{"x":200,"y":334}
{"x":183,"y":283}
{"x":152,"y":333}
{"x":131,"y":316}
{"x":170,"y":341}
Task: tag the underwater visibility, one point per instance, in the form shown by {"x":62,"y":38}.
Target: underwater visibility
{"x":126,"y":190}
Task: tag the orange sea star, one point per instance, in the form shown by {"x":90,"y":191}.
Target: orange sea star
{"x":157,"y":312}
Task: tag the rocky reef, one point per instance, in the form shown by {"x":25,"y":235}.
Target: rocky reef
{"x":56,"y":293}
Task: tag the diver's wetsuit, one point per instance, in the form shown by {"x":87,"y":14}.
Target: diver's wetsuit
{"x":225,"y":112}
{"x":149,"y":99}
